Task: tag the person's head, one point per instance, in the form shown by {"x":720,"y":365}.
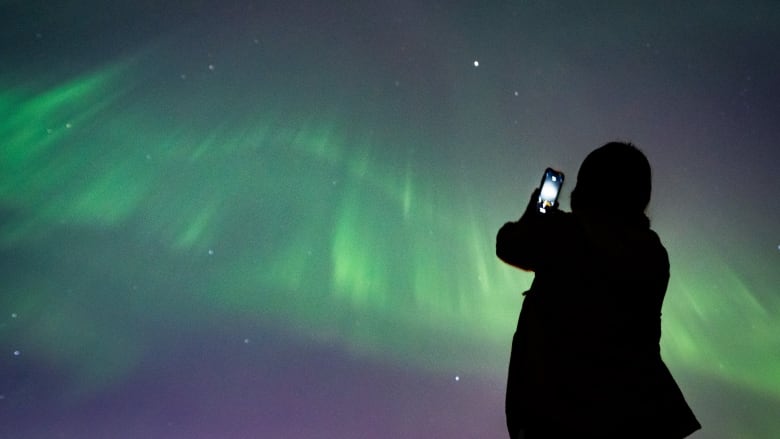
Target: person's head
{"x":614,"y":181}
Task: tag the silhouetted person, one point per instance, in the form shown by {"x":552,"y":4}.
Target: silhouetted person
{"x":586,"y":359}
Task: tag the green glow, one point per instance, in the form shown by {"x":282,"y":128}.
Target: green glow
{"x":196,"y":229}
{"x":91,"y":350}
{"x":361,"y":269}
{"x":407,"y":192}
{"x":319,"y":140}
{"x":742,"y":347}
{"x":47,"y":162}
{"x":385,"y":249}
{"x":317,"y":228}
{"x":32,"y":124}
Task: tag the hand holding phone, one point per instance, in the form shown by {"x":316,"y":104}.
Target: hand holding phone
{"x":552,"y":181}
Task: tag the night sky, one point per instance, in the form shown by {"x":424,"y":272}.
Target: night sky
{"x":249,"y":219}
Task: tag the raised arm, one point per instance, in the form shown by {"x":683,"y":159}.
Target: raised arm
{"x":529,"y":243}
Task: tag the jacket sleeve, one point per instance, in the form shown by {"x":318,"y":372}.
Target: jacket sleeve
{"x":530,"y":242}
{"x":515,"y":244}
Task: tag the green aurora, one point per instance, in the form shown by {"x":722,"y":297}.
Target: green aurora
{"x":301,"y":222}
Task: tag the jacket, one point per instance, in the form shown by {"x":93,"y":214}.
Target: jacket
{"x":585,"y":358}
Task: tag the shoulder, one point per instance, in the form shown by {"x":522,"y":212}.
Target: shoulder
{"x":658,"y":246}
{"x":537,"y":240}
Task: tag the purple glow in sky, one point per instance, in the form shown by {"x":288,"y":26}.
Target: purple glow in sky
{"x":246,"y":219}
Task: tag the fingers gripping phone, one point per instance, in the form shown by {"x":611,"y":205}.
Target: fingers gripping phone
{"x":552,"y":181}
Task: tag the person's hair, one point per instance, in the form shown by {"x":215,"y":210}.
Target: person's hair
{"x":614,"y":180}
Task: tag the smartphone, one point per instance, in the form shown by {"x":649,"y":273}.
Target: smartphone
{"x":552,"y":181}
